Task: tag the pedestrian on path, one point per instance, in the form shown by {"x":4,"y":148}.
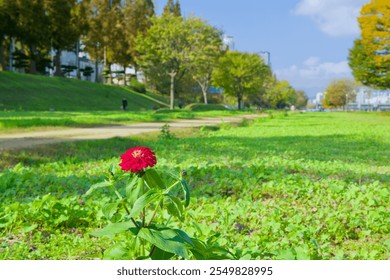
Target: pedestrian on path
{"x":124,"y":104}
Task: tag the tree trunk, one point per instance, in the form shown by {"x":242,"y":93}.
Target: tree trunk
{"x":96,"y":71}
{"x":239,"y":100}
{"x":33,"y":63}
{"x":124,"y":76}
{"x":172,"y":103}
{"x":204,"y":90}
{"x":78,"y":73}
{"x":2,"y":58}
{"x":109,"y":74}
{"x":57,"y":63}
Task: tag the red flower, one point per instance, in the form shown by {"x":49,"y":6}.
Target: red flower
{"x":137,"y":158}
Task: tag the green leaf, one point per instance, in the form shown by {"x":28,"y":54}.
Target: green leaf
{"x":116,"y":252}
{"x":166,"y":240}
{"x":112,"y":229}
{"x":175,"y":207}
{"x":28,"y":228}
{"x":143,"y":201}
{"x":186,"y":190}
{"x":159,"y":254}
{"x":153,"y":180}
{"x":109,"y":210}
{"x":98,"y":186}
{"x":134,"y":190}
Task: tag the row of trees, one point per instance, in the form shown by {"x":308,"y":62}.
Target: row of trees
{"x":176,"y":54}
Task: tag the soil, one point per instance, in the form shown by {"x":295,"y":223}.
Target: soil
{"x":30,"y":139}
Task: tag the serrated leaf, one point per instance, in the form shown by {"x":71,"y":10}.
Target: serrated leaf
{"x":166,"y":240}
{"x":112,"y":229}
{"x":186,"y":191}
{"x":99,"y":186}
{"x":153,"y":179}
{"x":143,"y":201}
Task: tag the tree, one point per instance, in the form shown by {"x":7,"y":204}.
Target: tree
{"x":339,"y":93}
{"x":369,"y":58}
{"x":166,"y":48}
{"x":137,"y":16}
{"x":62,"y":33}
{"x":240,"y":74}
{"x":301,"y":99}
{"x":280,"y":94}
{"x":177,"y":9}
{"x":206,"y":51}
{"x":32,"y":29}
{"x":168,"y":8}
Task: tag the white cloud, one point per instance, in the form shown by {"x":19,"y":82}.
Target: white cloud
{"x":334,"y":17}
{"x":314,"y":75}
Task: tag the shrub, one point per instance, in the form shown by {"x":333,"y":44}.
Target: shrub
{"x":137,"y":86}
{"x":205,"y":107}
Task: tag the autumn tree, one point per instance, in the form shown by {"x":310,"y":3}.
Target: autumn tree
{"x":240,"y":74}
{"x":137,"y":20}
{"x":369,"y":58}
{"x":339,"y":93}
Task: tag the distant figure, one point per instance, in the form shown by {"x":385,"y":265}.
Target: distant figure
{"x":180,"y":104}
{"x":124,"y":104}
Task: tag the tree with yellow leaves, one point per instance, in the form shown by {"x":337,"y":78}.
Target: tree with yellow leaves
{"x":369,"y":58}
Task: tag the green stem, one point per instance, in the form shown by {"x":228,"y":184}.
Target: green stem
{"x":171,"y":187}
{"x":154,"y":214}
{"x":126,"y":209}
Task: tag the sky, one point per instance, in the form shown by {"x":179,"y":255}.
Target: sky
{"x":308,"y":40}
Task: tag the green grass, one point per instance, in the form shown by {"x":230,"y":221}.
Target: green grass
{"x":24,"y":92}
{"x":305,"y":186}
{"x":42,"y":120}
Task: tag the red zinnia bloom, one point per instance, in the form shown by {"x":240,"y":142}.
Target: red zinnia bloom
{"x":137,"y":158}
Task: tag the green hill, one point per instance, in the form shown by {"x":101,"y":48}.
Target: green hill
{"x":26,"y":92}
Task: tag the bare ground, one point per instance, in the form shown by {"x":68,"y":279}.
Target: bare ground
{"x":30,"y":139}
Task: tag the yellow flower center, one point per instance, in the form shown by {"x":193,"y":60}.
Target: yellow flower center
{"x":137,"y":154}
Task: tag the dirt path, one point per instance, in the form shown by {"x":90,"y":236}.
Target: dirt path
{"x":25,"y":140}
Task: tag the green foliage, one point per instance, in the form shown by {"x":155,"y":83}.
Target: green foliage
{"x":339,"y":93}
{"x":309,"y":186}
{"x":166,"y":133}
{"x":137,"y":86}
{"x":240,"y":74}
{"x":205,"y":107}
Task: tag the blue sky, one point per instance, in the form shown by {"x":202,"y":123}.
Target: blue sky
{"x":308,"y":40}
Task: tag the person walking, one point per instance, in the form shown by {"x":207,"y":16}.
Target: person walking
{"x":124,"y":104}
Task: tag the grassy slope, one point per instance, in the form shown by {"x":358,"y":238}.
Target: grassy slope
{"x":303,"y":186}
{"x":37,"y":93}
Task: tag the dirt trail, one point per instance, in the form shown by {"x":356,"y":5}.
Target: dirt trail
{"x":29,"y":139}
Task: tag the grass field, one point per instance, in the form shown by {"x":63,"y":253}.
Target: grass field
{"x":303,"y":186}
{"x":15,"y":121}
{"x":24,"y":92}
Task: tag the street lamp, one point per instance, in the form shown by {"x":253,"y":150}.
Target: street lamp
{"x":268,"y":56}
